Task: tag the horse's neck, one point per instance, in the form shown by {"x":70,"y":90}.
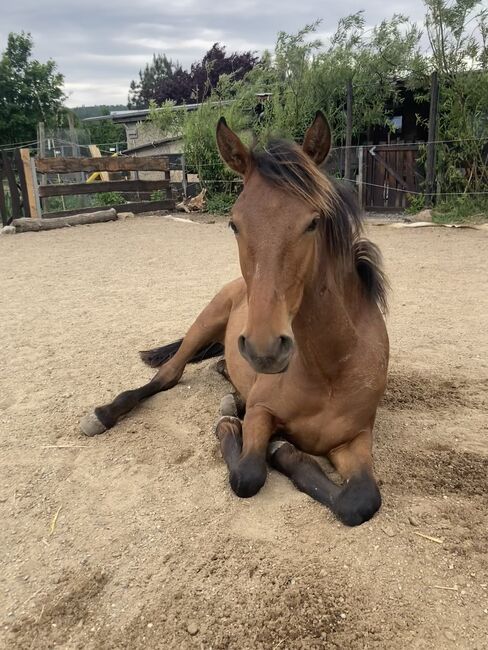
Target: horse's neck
{"x":324,"y":325}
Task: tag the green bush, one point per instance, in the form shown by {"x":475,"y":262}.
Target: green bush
{"x":110,"y":198}
{"x":200,"y":147}
{"x":220,"y":203}
{"x":158,"y":195}
{"x":416,"y":203}
{"x":462,"y":208}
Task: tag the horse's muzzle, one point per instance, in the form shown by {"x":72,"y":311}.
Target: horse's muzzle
{"x":273,"y":361}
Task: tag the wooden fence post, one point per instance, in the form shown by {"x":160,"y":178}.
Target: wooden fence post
{"x":360,"y":176}
{"x":348,"y":152}
{"x":35,"y":186}
{"x":430,"y":164}
{"x":41,"y":151}
{"x":3,"y":204}
{"x":76,"y":152}
{"x":41,"y":146}
{"x":184,"y":177}
{"x":31,"y":197}
{"x":14,"y":193}
{"x":73,"y":137}
{"x":22,"y":186}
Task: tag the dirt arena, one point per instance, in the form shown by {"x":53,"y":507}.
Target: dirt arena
{"x":134,"y":540}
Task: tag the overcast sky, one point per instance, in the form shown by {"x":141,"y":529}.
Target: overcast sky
{"x":100,"y":45}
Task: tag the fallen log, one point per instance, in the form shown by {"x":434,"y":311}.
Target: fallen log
{"x":194,"y":204}
{"x":33,"y":225}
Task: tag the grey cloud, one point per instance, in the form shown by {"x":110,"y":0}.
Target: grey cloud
{"x":100,"y":47}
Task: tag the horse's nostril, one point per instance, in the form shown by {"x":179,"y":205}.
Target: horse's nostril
{"x":286,"y":344}
{"x":241,"y":343}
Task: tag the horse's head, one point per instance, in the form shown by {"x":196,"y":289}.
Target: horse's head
{"x":276,"y":222}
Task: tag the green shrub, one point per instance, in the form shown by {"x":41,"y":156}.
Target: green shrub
{"x":110,"y":198}
{"x":200,"y":147}
{"x":220,"y":203}
{"x":416,"y":203}
{"x":462,"y":208}
{"x":158,"y":195}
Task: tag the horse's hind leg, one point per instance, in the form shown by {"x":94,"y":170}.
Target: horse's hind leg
{"x":234,"y":400}
{"x":208,"y":327}
{"x":304,"y":471}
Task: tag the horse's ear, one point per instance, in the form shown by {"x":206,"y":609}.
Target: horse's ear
{"x":317,"y":141}
{"x":233,"y":152}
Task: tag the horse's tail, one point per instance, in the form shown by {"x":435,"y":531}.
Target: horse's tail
{"x":158,"y":356}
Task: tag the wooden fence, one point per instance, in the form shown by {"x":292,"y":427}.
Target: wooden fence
{"x":386,"y":177}
{"x":105,"y":165}
{"x":12,"y":187}
{"x":27,"y":183}
{"x":390,"y":177}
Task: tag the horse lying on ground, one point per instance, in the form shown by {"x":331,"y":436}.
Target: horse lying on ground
{"x":302,"y":330}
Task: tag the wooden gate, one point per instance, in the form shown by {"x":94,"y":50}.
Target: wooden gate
{"x":390,"y":176}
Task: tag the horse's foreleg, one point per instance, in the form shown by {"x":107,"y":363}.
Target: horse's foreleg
{"x":360,"y":497}
{"x":356,"y":500}
{"x":208,"y":327}
{"x":243,"y":447}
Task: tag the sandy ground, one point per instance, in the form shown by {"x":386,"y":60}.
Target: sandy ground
{"x":134,"y":539}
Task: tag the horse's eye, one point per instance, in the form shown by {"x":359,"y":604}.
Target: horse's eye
{"x":233,"y":227}
{"x":313,"y":225}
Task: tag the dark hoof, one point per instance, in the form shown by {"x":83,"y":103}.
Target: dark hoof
{"x":358,"y":501}
{"x":91,"y":425}
{"x":249,"y":477}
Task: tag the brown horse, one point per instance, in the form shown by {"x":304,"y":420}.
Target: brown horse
{"x":305,"y":342}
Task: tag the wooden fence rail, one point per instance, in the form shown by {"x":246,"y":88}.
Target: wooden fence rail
{"x":73,"y":189}
{"x":104,"y":163}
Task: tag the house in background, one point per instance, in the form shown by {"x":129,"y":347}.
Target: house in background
{"x":144,"y":138}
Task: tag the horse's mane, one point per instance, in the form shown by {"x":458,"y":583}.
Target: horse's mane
{"x":285,"y":165}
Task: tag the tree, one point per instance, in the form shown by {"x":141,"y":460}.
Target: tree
{"x":163,"y":80}
{"x":205,"y":74}
{"x":457,"y":31}
{"x":150,"y":78}
{"x":303,"y":75}
{"x":177,"y":88}
{"x":30,"y":91}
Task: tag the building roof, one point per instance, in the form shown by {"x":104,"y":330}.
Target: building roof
{"x":133,"y":116}
{"x":151,"y":145}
